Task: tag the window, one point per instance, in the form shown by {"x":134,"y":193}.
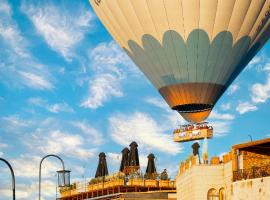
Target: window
{"x":212,"y":194}
{"x":221,"y":194}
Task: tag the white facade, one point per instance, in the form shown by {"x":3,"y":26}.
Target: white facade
{"x":197,"y":181}
{"x":252,"y":189}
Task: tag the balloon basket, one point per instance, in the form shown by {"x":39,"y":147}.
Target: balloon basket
{"x":192,"y":132}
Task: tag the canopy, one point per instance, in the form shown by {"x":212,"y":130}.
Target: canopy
{"x":102,"y":169}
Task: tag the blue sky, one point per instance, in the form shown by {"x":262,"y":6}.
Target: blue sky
{"x":67,"y":88}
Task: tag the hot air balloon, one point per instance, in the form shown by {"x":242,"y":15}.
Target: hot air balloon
{"x":191,"y":50}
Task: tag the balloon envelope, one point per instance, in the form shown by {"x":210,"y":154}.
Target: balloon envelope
{"x":191,"y":50}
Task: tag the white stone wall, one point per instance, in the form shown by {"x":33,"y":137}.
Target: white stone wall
{"x":185,"y":186}
{"x":195,"y":182}
{"x":252,"y":189}
{"x":227,"y":177}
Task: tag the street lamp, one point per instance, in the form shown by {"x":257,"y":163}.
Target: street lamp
{"x":12,"y":174}
{"x":63,"y":178}
{"x":63,"y":175}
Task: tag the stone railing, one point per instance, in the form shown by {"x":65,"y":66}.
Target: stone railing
{"x":254,"y":172}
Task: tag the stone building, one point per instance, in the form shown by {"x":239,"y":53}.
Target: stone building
{"x":241,"y":174}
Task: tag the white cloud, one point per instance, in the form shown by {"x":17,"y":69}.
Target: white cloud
{"x":89,"y":131}
{"x":42,"y":138}
{"x":258,"y":63}
{"x":256,"y":60}
{"x":50,"y":135}
{"x":140,"y":127}
{"x":54,"y":108}
{"x":2,"y":145}
{"x":19,"y":72}
{"x":12,"y":37}
{"x":143,"y":160}
{"x":220,"y":116}
{"x":14,"y":123}
{"x":158,"y":102}
{"x":62,"y":70}
{"x":109,"y":57}
{"x":221,"y":128}
{"x":101,"y":89}
{"x":109,"y":66}
{"x":36,"y":101}
{"x":60,"y":107}
{"x":9,"y":30}
{"x":26,"y":169}
{"x":221,"y":122}
{"x":48,"y":189}
{"x":266,"y":67}
{"x":173,"y":117}
{"x":5,"y":7}
{"x":260,"y":93}
{"x":232,"y":89}
{"x":29,"y":191}
{"x":61,"y":27}
{"x":35,"y":81}
{"x":245,"y":107}
{"x":17,"y":66}
{"x":225,"y":106}
{"x":114,"y":159}
{"x":58,"y":142}
{"x":31,"y":166}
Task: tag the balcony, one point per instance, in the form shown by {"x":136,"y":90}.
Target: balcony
{"x":254,"y":172}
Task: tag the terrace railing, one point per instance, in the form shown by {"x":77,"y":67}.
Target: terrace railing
{"x":254,"y":172}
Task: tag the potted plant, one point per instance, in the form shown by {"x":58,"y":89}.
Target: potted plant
{"x":164,"y":179}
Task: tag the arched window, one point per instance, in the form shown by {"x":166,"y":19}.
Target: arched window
{"x":212,"y":194}
{"x":221,"y":194}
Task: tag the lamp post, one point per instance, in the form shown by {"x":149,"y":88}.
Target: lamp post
{"x":250,"y":138}
{"x":12,"y":174}
{"x":63,"y":175}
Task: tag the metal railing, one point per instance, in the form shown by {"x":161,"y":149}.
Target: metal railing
{"x":104,"y":185}
{"x":254,"y":172}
